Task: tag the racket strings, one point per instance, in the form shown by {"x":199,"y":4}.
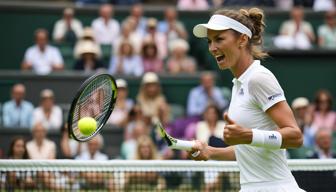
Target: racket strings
{"x":93,"y":102}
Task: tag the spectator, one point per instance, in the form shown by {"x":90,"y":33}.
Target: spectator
{"x":17,"y":149}
{"x":150,"y":59}
{"x":323,"y":150}
{"x":157,"y":37}
{"x":71,"y":148}
{"x":68,"y":29}
{"x":105,"y":28}
{"x":151,"y":100}
{"x":171,"y":26}
{"x":211,"y":129}
{"x":284,"y":5}
{"x":127,"y":34}
{"x":17,"y":113}
{"x":192,"y":5}
{"x":122,"y":107}
{"x":17,"y":180}
{"x":303,"y":117}
{"x":324,"y":5}
{"x":88,"y":36}
{"x":324,"y":116}
{"x":327,"y":31}
{"x":203,"y":95}
{"x":134,"y":116}
{"x":129,"y":147}
{"x":140,"y":21}
{"x":146,"y":149}
{"x":42,"y":58}
{"x":93,"y":153}
{"x":126,"y":62}
{"x":179,"y":61}
{"x":48,"y":114}
{"x":295,"y":33}
{"x":89,"y":59}
{"x":40,"y":147}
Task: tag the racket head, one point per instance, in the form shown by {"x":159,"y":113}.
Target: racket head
{"x":95,"y":98}
{"x":164,"y":135}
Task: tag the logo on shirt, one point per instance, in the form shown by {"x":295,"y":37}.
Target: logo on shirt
{"x":272,"y":136}
{"x":272,"y":97}
{"x":241,"y":91}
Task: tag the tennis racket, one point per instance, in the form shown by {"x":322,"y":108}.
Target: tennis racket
{"x":174,"y":143}
{"x":95,"y":98}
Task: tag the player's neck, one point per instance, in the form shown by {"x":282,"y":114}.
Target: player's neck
{"x":242,"y":65}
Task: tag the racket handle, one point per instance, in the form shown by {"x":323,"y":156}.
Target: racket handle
{"x":183,"y":145}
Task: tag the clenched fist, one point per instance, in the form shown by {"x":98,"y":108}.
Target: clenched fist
{"x":235,"y":134}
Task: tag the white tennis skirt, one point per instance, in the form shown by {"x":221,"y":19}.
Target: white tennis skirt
{"x":274,"y":186}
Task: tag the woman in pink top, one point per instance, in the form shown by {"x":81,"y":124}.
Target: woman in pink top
{"x":324,"y":116}
{"x":150,"y":59}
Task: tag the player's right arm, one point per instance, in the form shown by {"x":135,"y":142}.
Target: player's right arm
{"x":208,"y":152}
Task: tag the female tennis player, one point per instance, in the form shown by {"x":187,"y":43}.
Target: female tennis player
{"x":260,"y":124}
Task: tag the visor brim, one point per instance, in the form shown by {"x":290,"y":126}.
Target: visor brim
{"x":201,"y":30}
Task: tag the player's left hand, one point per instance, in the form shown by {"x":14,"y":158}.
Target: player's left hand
{"x":235,"y":134}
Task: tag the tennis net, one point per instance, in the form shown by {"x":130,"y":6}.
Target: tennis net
{"x":157,"y":175}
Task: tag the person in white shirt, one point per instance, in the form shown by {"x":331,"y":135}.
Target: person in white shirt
{"x":93,"y":153}
{"x":40,"y":147}
{"x":67,"y":29}
{"x":259,"y":124}
{"x":42,"y":58}
{"x":48,"y":114}
{"x":106,"y":29}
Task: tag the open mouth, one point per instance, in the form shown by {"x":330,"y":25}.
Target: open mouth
{"x":220,"y":58}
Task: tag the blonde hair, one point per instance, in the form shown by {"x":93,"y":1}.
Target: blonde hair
{"x":146,"y":140}
{"x":253,"y":19}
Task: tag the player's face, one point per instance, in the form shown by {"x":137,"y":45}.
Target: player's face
{"x":224,"y":46}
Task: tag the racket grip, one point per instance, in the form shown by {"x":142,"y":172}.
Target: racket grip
{"x":195,"y":154}
{"x":183,"y":145}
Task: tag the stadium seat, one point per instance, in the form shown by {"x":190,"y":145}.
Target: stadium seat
{"x":66,"y":50}
{"x":106,"y":53}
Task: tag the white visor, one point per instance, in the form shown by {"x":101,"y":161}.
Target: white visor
{"x":218,"y":23}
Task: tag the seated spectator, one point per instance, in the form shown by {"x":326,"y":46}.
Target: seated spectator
{"x":42,"y":58}
{"x":323,"y":150}
{"x":303,"y":117}
{"x":203,"y":95}
{"x":150,"y":59}
{"x":68,"y":29}
{"x":87,"y":37}
{"x":134,"y":116}
{"x":127,"y":34}
{"x":145,"y":150}
{"x":171,"y":26}
{"x":151,"y":100}
{"x":48,"y":114}
{"x":295,"y":33}
{"x":140,"y":21}
{"x":17,"y":113}
{"x":17,"y":149}
{"x":17,"y":180}
{"x":93,"y":153}
{"x":192,"y":5}
{"x":211,"y":129}
{"x":327,"y":31}
{"x":71,"y":148}
{"x":40,"y":147}
{"x":128,"y":148}
{"x":324,"y":117}
{"x":160,"y":40}
{"x":89,"y":60}
{"x":122,"y":107}
{"x":105,"y":28}
{"x":179,"y":61}
{"x":126,"y":62}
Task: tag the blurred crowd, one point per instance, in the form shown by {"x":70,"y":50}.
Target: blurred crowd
{"x":144,"y":47}
{"x":140,"y":44}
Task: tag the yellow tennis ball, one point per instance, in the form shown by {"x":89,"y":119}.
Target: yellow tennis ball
{"x":87,"y":125}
